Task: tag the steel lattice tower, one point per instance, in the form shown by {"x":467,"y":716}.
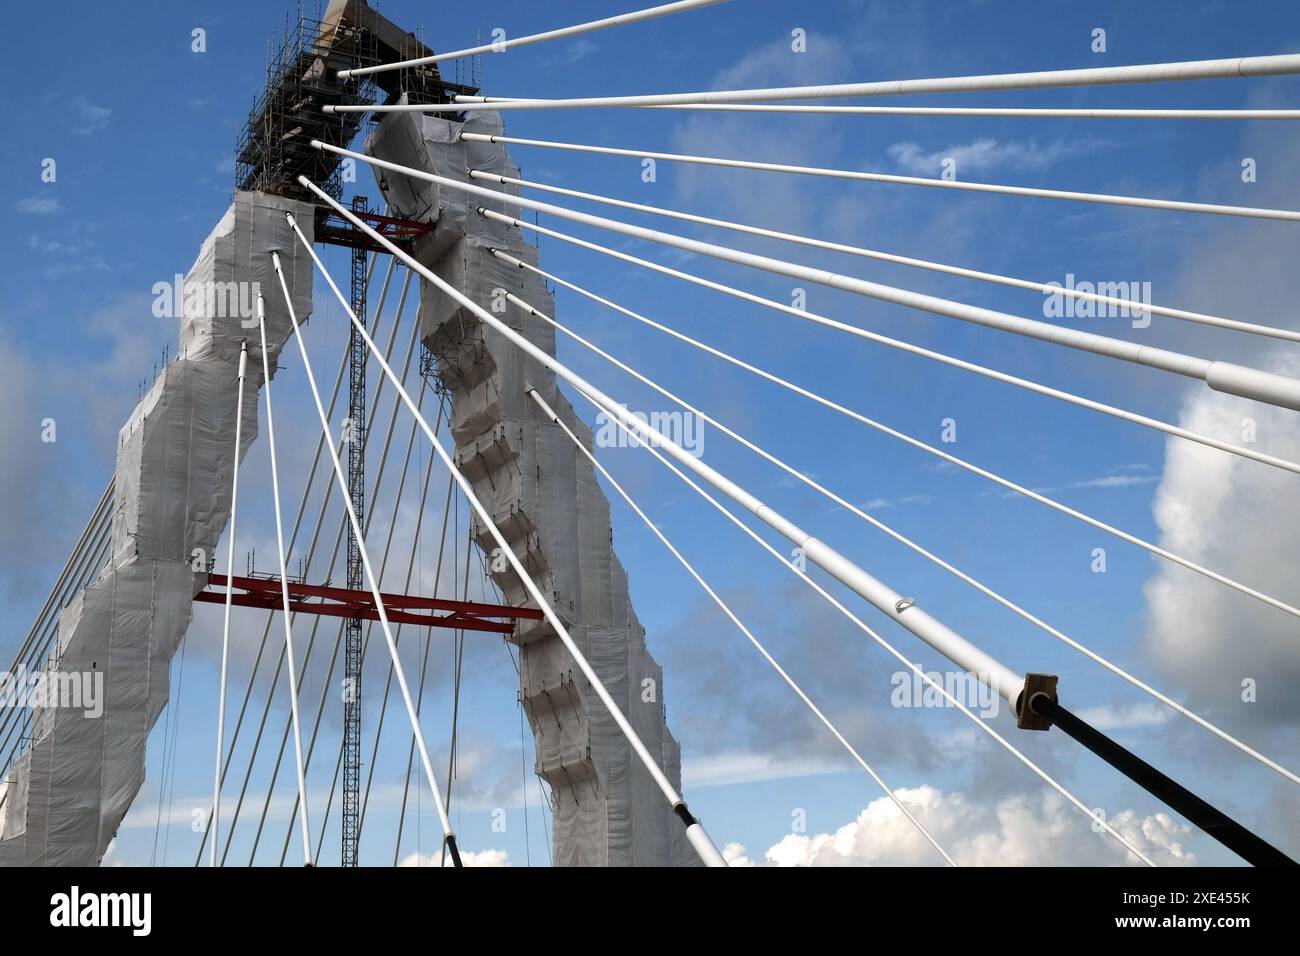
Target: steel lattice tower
{"x":357,"y":491}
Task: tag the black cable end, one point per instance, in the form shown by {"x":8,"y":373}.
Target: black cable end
{"x":684,"y":815}
{"x":451,"y":847}
{"x":1216,"y":824}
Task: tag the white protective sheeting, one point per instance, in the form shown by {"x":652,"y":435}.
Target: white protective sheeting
{"x":71,"y":788}
{"x":544,"y":497}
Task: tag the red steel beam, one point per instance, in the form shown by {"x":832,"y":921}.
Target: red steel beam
{"x":336,"y":231}
{"x":392,"y":226}
{"x":346,"y":603}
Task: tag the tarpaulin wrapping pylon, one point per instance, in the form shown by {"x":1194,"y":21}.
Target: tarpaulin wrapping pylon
{"x":544,"y":497}
{"x":70,"y":789}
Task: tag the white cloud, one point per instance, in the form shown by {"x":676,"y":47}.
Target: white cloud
{"x":1123,"y":477}
{"x":879,"y":504}
{"x":111,"y":856}
{"x":1232,"y":515}
{"x":1041,"y":830}
{"x":573,"y":53}
{"x":67,"y":255}
{"x":87,"y":397}
{"x":989,"y":153}
{"x":1114,"y":481}
{"x":730,"y":767}
{"x":467,"y":857}
{"x":734,"y":854}
{"x":1127,"y":716}
{"x":1239,"y":517}
{"x":39,"y":205}
{"x":89,"y":118}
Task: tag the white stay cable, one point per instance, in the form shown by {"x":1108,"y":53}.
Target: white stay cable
{"x":505,"y":43}
{"x":1125,"y":306}
{"x":1231,"y":68}
{"x":586,"y":452}
{"x":1009,"y":685}
{"x":270,"y":615}
{"x":449,"y":837}
{"x":1241,"y":451}
{"x":1226,"y":377}
{"x":1096,"y":820}
{"x":1105,"y":199}
{"x":230,"y":591}
{"x":99,"y":518}
{"x":695,"y":833}
{"x":1006,"y":682}
{"x":424,"y":666}
{"x":875,"y":522}
{"x":292,"y":673}
{"x":81,"y":562}
{"x":1010,"y":112}
{"x":914,"y":442}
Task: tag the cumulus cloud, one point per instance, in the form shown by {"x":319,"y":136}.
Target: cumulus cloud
{"x":468,"y":857}
{"x":1016,"y":831}
{"x":734,"y":854}
{"x":1230,"y":514}
{"x":1233,"y":515}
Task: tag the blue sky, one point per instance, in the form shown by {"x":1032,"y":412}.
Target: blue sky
{"x":143,"y":134}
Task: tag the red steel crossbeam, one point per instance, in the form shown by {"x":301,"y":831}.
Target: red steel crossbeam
{"x":337,"y":231}
{"x":343,"y":602}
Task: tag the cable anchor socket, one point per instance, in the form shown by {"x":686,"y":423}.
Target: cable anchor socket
{"x":1026,"y":717}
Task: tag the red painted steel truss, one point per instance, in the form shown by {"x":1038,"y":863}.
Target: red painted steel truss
{"x":341,"y":602}
{"x":333,"y":229}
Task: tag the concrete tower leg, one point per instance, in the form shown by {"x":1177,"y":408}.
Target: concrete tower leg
{"x":545,"y":498}
{"x":68,"y":792}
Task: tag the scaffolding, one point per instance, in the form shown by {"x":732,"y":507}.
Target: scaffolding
{"x":274,"y":147}
{"x":272,"y":151}
{"x":357,"y":354}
